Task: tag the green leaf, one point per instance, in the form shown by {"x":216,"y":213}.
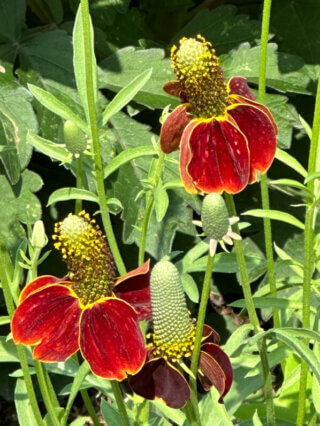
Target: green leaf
{"x":306,"y":127}
{"x":83,"y":370}
{"x":12,"y":19}
{"x":290,"y":182}
{"x":80,"y":421}
{"x":312,"y":176}
{"x":126,"y":64}
{"x":51,"y":149}
{"x":190,"y":287}
{"x":276,"y":215}
{"x":161,"y":201}
{"x":290,"y":161}
{"x":210,"y":404}
{"x":55,"y":105}
{"x":176,"y":416}
{"x":18,"y":204}
{"x":8,"y":350}
{"x":256,"y":420}
{"x":237,"y":339}
{"x":296,"y":26}
{"x":245,"y":62}
{"x":16,"y":118}
{"x":110,"y":413}
{"x":125,"y":95}
{"x":22,"y":403}
{"x":79,"y":63}
{"x":269,"y":302}
{"x":4,"y":320}
{"x":222,"y":27}
{"x":53,"y":9}
{"x":126,"y":156}
{"x":65,"y":194}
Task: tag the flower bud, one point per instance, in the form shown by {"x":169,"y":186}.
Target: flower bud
{"x":74,"y":138}
{"x":39,"y":238}
{"x":214,"y":216}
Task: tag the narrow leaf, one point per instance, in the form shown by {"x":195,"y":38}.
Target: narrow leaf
{"x":65,"y":194}
{"x":237,"y":338}
{"x":126,"y":156}
{"x":125,"y":95}
{"x":79,"y":62}
{"x":276,"y":215}
{"x":51,"y":149}
{"x":55,"y":105}
{"x":292,"y":183}
{"x":290,"y":161}
{"x":22,"y":403}
{"x":269,"y":302}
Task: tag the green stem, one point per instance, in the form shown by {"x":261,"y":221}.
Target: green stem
{"x":90,"y":407}
{"x":154,"y":175}
{"x":199,"y":330}
{"x":313,"y":166}
{"x":189,"y":412}
{"x":5,"y":278}
{"x":45,"y":393}
{"x":245,"y":283}
{"x":78,"y":204}
{"x":120,"y":403}
{"x":95,"y":139}
{"x":264,"y":179}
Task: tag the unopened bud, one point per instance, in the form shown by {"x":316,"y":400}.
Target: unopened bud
{"x":74,"y":138}
{"x":39,"y":238}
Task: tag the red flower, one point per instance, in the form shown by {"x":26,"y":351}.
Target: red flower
{"x":225,"y":137}
{"x":60,"y":316}
{"x":159,"y":379}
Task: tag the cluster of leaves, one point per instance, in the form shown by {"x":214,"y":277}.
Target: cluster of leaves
{"x":38,"y":93}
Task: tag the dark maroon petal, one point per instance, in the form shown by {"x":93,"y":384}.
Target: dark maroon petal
{"x":211,"y":374}
{"x":173,"y":88}
{"x":173,"y":127}
{"x":239,"y":86}
{"x":160,"y":380}
{"x":223,"y":360}
{"x":134,"y":288}
{"x":209,"y":335}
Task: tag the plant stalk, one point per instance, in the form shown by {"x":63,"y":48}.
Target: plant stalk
{"x":245,"y":283}
{"x":95,"y":140}
{"x":264,"y":179}
{"x":313,"y":166}
{"x":120,"y":403}
{"x":78,"y":203}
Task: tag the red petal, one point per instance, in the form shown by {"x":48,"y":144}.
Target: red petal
{"x":48,"y":318}
{"x":134,"y":288}
{"x":214,"y":157}
{"x":36,"y":285}
{"x":111,"y":340}
{"x":239,"y":86}
{"x":173,"y":127}
{"x":173,"y":88}
{"x":260,"y":134}
{"x":160,"y":380}
{"x":223,"y":360}
{"x":209,"y":335}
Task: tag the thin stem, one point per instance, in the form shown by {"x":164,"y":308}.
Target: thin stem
{"x":45,"y":393}
{"x":264,"y":179}
{"x":245,"y":283}
{"x":199,"y":330}
{"x":120,"y":403}
{"x":90,"y":407}
{"x":309,"y":251}
{"x":154,"y":176}
{"x":78,"y":204}
{"x":189,"y":412}
{"x":95,"y":139}
{"x":5,"y":267}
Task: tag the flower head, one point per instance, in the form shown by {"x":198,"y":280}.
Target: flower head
{"x":172,"y":345}
{"x":225,"y":137}
{"x":91,"y":309}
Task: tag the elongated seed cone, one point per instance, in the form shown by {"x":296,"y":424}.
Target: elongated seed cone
{"x":214,"y":216}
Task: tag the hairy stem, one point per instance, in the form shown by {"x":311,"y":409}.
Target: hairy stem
{"x":95,"y":139}
{"x":78,"y":204}
{"x":120,"y":403}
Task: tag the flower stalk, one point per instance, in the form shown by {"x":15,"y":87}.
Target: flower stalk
{"x":264,"y":179}
{"x":313,"y":166}
{"x":245,"y":283}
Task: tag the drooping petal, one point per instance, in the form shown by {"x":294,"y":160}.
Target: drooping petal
{"x":134,"y":288}
{"x":220,"y":357}
{"x":111,"y":340}
{"x":173,"y":127}
{"x":239,"y":86}
{"x":238,"y":99}
{"x":260,"y":134}
{"x":36,"y":285}
{"x":211,"y":374}
{"x":48,"y":318}
{"x":160,"y":380}
{"x":209,"y":335}
{"x":214,"y":157}
{"x":173,"y":88}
